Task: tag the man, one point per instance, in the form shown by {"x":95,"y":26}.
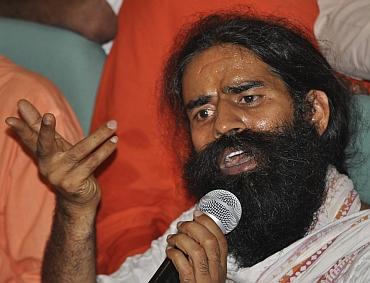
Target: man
{"x":142,"y":164}
{"x":268,"y":120}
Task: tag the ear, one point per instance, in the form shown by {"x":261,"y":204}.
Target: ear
{"x":321,"y":112}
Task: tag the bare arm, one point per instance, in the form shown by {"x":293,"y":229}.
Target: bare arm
{"x":70,"y":252}
{"x":93,"y":19}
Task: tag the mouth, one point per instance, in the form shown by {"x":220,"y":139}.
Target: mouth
{"x":235,"y":161}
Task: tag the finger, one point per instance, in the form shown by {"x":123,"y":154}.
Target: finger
{"x":89,"y":144}
{"x":89,"y":165}
{"x":46,"y":143}
{"x":181,"y":263}
{"x":29,"y":114}
{"x":33,"y":118}
{"x":197,"y":256}
{"x":207,"y":222}
{"x":207,"y":241}
{"x":24,"y":132}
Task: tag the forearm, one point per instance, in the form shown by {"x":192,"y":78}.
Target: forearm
{"x":20,"y":9}
{"x":70,"y":251}
{"x":93,"y":19}
{"x":44,"y":11}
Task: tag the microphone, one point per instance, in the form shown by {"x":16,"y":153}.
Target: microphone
{"x":224,"y":208}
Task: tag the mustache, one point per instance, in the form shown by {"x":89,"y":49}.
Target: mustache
{"x":254,"y":143}
{"x":298,"y":143}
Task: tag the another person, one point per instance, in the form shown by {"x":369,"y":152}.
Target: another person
{"x":267,"y":119}
{"x":26,"y":201}
{"x":343,"y":32}
{"x":93,"y":19}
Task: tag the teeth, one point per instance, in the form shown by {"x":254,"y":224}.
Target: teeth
{"x":232,"y":154}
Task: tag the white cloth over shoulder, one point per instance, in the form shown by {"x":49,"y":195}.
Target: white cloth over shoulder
{"x":116,"y":6}
{"x":336,"y":249}
{"x":343,"y":31}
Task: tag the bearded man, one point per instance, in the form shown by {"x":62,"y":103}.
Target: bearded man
{"x":268,"y":120}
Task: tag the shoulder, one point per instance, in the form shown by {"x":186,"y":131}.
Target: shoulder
{"x":18,"y":83}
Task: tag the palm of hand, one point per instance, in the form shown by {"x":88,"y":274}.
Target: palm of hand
{"x":67,"y":167}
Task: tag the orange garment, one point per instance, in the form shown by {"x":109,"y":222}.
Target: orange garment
{"x":26,"y":204}
{"x":141,"y":193}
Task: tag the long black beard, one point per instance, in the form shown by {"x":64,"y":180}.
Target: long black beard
{"x":279,"y":198}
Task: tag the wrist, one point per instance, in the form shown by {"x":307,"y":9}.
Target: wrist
{"x":78,"y":223}
{"x":80,"y":199}
{"x":72,"y":211}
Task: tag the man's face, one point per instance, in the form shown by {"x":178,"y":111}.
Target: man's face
{"x":227,"y":88}
{"x":249,"y":139}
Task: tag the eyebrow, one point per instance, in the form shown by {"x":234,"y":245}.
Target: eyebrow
{"x":236,"y":89}
{"x":201,"y":100}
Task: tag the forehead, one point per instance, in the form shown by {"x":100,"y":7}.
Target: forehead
{"x":221,"y":54}
{"x":223,"y":65}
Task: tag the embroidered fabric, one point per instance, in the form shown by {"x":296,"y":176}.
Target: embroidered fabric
{"x":341,"y":199}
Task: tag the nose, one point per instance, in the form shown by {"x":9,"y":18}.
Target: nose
{"x":228,"y":120}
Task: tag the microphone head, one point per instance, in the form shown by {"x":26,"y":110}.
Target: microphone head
{"x":223,"y":207}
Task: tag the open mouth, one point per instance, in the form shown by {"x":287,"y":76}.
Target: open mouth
{"x":235,"y":161}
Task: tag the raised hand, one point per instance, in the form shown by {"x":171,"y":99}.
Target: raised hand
{"x":199,"y":251}
{"x":67,"y":167}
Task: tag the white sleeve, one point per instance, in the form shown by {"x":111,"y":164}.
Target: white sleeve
{"x":141,"y":268}
{"x":343,"y":33}
{"x":115,"y":4}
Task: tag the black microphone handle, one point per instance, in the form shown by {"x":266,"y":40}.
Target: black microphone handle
{"x":166,"y":273}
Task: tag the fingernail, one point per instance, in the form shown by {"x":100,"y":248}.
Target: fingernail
{"x":179,"y":224}
{"x":197,"y":213}
{"x":169,"y":236}
{"x":114,"y":139}
{"x":112,"y":125}
{"x":9,"y":122}
{"x":46,"y":120}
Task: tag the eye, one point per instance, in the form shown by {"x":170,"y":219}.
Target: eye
{"x":250,"y":99}
{"x":203,"y":114}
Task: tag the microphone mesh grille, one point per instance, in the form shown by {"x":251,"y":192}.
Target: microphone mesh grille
{"x":223,"y":205}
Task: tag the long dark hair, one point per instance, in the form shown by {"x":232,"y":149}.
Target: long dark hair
{"x":288,"y":53}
